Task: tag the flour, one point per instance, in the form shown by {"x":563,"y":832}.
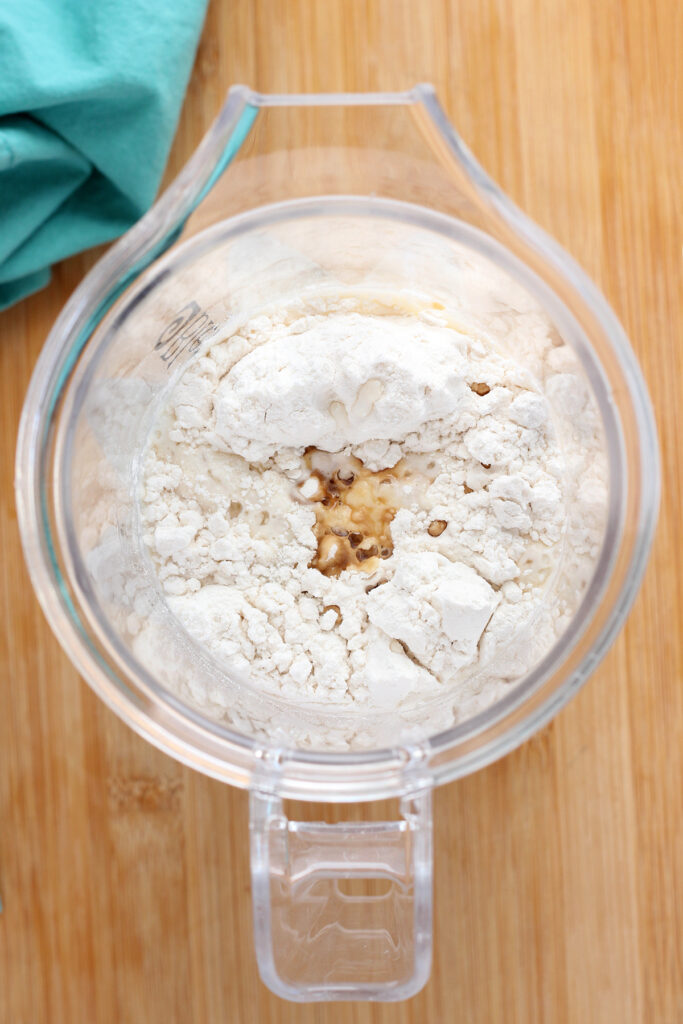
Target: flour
{"x":345,"y":381}
{"x":362,"y":502}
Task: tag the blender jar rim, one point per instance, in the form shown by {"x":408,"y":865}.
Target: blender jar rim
{"x":321,"y":206}
{"x":233,"y":756}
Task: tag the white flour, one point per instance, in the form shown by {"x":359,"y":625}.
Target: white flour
{"x":496,"y":494}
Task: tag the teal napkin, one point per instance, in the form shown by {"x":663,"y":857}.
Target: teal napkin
{"x":90,"y":92}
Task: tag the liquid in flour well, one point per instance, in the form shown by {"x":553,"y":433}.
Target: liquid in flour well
{"x":354,"y":507}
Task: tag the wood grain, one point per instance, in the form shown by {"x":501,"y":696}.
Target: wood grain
{"x":559,"y":871}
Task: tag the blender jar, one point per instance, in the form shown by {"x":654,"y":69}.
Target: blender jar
{"x":288,"y":193}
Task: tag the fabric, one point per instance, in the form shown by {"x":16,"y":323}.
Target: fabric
{"x":90,"y":92}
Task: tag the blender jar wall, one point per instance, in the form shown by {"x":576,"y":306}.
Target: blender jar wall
{"x":254,"y":137}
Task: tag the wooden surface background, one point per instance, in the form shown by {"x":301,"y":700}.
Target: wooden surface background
{"x":559,"y":871}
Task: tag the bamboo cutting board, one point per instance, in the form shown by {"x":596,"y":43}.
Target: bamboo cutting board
{"x":559,"y":871}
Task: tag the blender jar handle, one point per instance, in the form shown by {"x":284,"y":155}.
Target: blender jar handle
{"x":317,"y":939}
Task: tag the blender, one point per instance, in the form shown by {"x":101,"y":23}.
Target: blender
{"x":287,"y":193}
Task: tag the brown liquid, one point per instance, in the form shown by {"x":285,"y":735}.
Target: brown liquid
{"x":353,"y":509}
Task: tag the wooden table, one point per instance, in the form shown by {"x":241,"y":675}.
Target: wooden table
{"x":559,"y":871}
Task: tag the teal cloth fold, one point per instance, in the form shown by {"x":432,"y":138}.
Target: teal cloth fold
{"x":90,"y":92}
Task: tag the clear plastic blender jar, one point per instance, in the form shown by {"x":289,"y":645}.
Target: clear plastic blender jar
{"x":287,"y":193}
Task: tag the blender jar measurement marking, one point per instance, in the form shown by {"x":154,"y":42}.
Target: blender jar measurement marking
{"x":185,"y":333}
